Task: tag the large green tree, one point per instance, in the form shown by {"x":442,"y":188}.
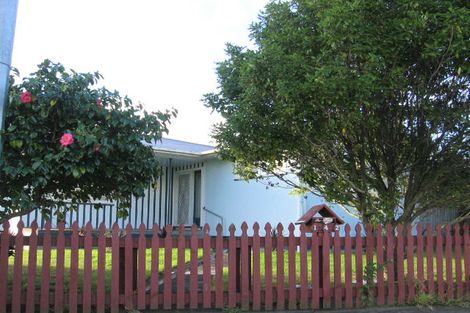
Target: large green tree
{"x":367,"y":101}
{"x":67,"y":140}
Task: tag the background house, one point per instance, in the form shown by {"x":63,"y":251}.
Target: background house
{"x":197,"y":187}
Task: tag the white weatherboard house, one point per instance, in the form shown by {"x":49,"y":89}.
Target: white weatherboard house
{"x":197,"y":187}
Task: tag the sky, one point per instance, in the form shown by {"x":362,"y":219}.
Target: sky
{"x":161,"y":53}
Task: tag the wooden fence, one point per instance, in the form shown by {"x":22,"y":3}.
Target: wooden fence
{"x":96,"y":270}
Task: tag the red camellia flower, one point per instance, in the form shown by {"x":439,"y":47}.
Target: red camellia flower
{"x":26,"y":97}
{"x":99,"y":102}
{"x":66,"y":140}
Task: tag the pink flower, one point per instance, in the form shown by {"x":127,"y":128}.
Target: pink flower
{"x":99,"y":102}
{"x":66,"y":140}
{"x":26,"y":97}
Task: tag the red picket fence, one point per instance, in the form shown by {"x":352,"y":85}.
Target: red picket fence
{"x":96,"y":270}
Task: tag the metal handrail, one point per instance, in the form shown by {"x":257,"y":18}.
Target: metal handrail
{"x":216,"y":215}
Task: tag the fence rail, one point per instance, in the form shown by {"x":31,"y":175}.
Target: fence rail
{"x":86,"y":269}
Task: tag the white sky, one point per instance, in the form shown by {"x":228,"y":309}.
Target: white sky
{"x":159,"y":52}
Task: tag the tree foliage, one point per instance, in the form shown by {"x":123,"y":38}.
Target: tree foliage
{"x":68,"y":140}
{"x":367,"y":101}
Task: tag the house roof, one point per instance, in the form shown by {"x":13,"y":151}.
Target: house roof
{"x":173,"y":147}
{"x":323,"y":210}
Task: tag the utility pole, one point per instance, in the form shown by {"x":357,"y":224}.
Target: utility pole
{"x":8,"y":9}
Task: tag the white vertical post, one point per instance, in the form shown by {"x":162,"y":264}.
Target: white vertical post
{"x":8,"y":9}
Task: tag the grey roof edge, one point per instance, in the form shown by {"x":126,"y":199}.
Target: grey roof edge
{"x":175,"y":148}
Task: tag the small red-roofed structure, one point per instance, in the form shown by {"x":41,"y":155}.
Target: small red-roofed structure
{"x":318,"y":217}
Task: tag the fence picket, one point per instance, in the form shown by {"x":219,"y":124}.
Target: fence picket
{"x":115,"y":275}
{"x":232,"y":280}
{"x":4,"y":266}
{"x":303,"y":269}
{"x":338,"y":285}
{"x":268,"y":248}
{"x":400,"y":266}
{"x":256,"y":269}
{"x":167,"y":279}
{"x":46,"y":268}
{"x":359,"y":268}
{"x":380,"y":267}
{"x":316,"y":271}
{"x":326,"y":286}
{"x":206,"y":269}
{"x":430,"y":258}
{"x":100,"y":284}
{"x":439,"y":263}
{"x":73,"y":284}
{"x":348,"y":267}
{"x":410,"y":264}
{"x":466,"y":239}
{"x":292,"y":245}
{"x":129,"y":268}
{"x":280,"y":297}
{"x":17,"y":270}
{"x":390,"y":265}
{"x":370,"y":261}
{"x":458,"y":261}
{"x":180,"y":279}
{"x":59,"y":276}
{"x":219,"y":268}
{"x":154,"y":280}
{"x":449,"y":257}
{"x":245,"y":271}
{"x":32,"y":269}
{"x":193,"y":294}
{"x":87,"y":269}
{"x":141,"y":281}
{"x":420,"y":258}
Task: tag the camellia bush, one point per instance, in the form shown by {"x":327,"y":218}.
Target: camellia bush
{"x":67,"y":140}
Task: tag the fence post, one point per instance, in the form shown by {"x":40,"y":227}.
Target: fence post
{"x":32,"y":268}
{"x":268,"y":249}
{"x":100,"y":288}
{"x":380,"y":266}
{"x":155,"y":267}
{"x":18,"y":270}
{"x":292,"y":268}
{"x":245,"y":265}
{"x":141,"y":292}
{"x":206,"y":268}
{"x":458,"y":261}
{"x":46,"y":269}
{"x":256,"y":269}
{"x":280,"y":302}
{"x":439,"y":263}
{"x":391,"y":263}
{"x":303,"y":269}
{"x":116,"y":284}
{"x":232,"y":283}
{"x":359,"y":269}
{"x":59,"y":290}
{"x":410,"y":263}
{"x":219,"y":268}
{"x":348,"y":267}
{"x":87,"y":269}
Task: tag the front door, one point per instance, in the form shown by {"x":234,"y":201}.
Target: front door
{"x":187,"y":198}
